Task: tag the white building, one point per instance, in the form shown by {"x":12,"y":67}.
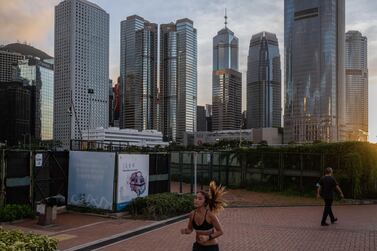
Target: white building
{"x":273,"y":136}
{"x":81,"y":69}
{"x":124,"y":137}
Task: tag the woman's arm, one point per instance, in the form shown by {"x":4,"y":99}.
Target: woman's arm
{"x":189,"y":228}
{"x":218,"y":228}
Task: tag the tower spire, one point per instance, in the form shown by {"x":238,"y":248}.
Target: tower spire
{"x":226,"y":18}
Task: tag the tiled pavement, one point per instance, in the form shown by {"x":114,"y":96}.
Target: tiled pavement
{"x":273,"y":228}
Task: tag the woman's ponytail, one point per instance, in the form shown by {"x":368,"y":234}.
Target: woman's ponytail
{"x":216,"y":201}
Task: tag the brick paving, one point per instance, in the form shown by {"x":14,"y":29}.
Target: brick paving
{"x":273,"y":228}
{"x":73,"y":229}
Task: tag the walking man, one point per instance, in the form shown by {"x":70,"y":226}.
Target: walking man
{"x":325,"y":188}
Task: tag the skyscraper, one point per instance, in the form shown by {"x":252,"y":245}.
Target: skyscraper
{"x":178,"y":79}
{"x":33,"y":67}
{"x":81,"y":69}
{"x":263,"y":82}
{"x":314,"y":70}
{"x":7,"y":60}
{"x":40,"y":74}
{"x":226,"y":81}
{"x":138,"y":70}
{"x":356,"y":64}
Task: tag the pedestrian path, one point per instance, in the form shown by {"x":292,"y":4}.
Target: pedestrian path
{"x":272,"y":228}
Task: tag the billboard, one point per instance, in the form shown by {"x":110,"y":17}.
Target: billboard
{"x":133,"y":178}
{"x":91,"y":179}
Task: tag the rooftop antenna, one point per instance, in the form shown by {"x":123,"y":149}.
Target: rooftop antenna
{"x":226,"y":18}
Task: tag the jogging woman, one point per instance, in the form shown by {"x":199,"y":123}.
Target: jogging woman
{"x":204,"y":220}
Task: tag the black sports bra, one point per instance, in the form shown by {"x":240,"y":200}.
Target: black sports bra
{"x":204,"y":226}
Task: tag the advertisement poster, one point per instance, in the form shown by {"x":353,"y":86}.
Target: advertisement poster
{"x":133,"y":178}
{"x":91,"y":179}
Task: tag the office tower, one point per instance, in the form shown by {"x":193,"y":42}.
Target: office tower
{"x":209,"y":117}
{"x":263,"y":82}
{"x":356,"y":65}
{"x":36,"y":70}
{"x":7,"y":61}
{"x":111,"y":103}
{"x":178,"y":79}
{"x":116,"y":103}
{"x":226,"y":81}
{"x":314,"y":70}
{"x":138,"y":71}
{"x":15,"y":103}
{"x":201,"y":119}
{"x":81,"y":69}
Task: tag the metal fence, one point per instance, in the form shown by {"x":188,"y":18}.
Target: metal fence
{"x":273,"y":171}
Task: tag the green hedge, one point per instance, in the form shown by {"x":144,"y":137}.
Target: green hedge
{"x":15,"y":240}
{"x":13,"y":212}
{"x":161,"y":206}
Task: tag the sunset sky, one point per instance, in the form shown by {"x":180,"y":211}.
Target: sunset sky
{"x":32,"y":21}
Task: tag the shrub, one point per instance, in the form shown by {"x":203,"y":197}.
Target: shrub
{"x":16,"y":240}
{"x":161,"y":206}
{"x":13,"y":212}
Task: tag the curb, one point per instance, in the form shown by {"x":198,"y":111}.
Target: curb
{"x":125,"y":235}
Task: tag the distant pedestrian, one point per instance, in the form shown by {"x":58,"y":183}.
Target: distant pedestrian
{"x":204,"y":220}
{"x":325,"y":188}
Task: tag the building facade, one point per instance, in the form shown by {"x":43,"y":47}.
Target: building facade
{"x":201,"y":123}
{"x":40,"y":74}
{"x":314,"y":70}
{"x":264,"y":82}
{"x":81,"y":69}
{"x":226,"y":100}
{"x":226,"y":81}
{"x":114,"y":137}
{"x":7,"y":62}
{"x":356,"y":65}
{"x":15,"y":113}
{"x":178,"y":79}
{"x":138,"y":73}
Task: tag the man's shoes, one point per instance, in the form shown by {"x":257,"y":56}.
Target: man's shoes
{"x":335,"y":220}
{"x":324,"y":224}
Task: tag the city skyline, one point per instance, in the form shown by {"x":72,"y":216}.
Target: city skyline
{"x":40,"y":32}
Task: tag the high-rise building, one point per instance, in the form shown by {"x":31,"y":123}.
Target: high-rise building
{"x":111,"y":103}
{"x":116,"y":103}
{"x":356,"y":65}
{"x":15,"y":103}
{"x":314,"y":70}
{"x":81,"y":69}
{"x":40,"y":74}
{"x":35,"y":69}
{"x":201,"y":119}
{"x":209,"y":116}
{"x":178,"y":79}
{"x":7,"y":62}
{"x":263,"y":82}
{"x":138,"y":70}
{"x":226,"y":81}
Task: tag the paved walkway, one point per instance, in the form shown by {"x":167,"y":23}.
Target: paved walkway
{"x":278,"y":228}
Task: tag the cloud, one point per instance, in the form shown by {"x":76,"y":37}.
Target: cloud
{"x":27,"y":21}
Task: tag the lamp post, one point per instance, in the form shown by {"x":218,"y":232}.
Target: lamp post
{"x":90,"y":92}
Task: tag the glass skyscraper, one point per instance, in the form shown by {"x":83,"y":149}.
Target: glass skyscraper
{"x":178,"y":79}
{"x":41,"y":75}
{"x":263,"y":82}
{"x":81,"y":69}
{"x":314,"y":70}
{"x":356,"y":64}
{"x":138,"y":68}
{"x":226,"y":82}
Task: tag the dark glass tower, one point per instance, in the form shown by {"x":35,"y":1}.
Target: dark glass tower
{"x":263,"y":82}
{"x":314,"y":70}
{"x":138,"y":72}
{"x":226,"y":81}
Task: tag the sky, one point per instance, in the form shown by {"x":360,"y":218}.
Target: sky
{"x":32,"y":21}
